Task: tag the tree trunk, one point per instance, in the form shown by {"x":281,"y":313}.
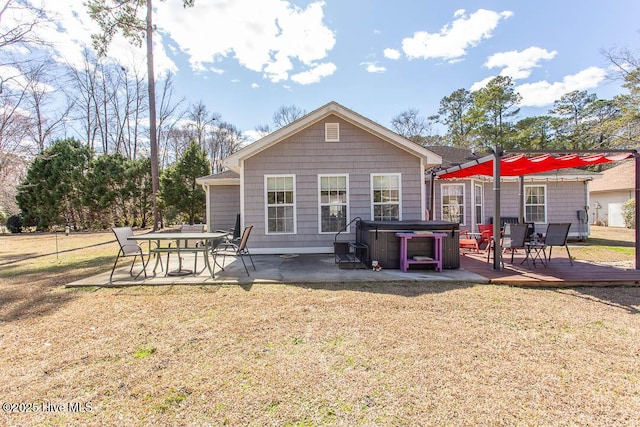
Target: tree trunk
{"x":153,"y":141}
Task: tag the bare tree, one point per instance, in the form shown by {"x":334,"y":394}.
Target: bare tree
{"x":287,"y":114}
{"x":226,"y":139}
{"x":177,"y":139}
{"x":123,"y":16}
{"x":627,"y":65}
{"x":48,"y":111}
{"x":201,"y":122}
{"x":262,"y":130}
{"x":411,"y":125}
{"x":128,"y":104}
{"x":168,"y":118}
{"x":26,"y":17}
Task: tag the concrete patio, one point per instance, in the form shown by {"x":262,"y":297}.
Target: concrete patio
{"x":301,"y":269}
{"x":271,"y":269}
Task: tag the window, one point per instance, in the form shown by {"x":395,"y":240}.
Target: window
{"x":332,"y":132}
{"x":386,"y":197}
{"x":334,"y":202}
{"x":478,"y":202}
{"x":535,"y":203}
{"x":280,"y":199}
{"x":453,"y":203}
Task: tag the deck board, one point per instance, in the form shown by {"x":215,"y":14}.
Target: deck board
{"x":559,"y":272}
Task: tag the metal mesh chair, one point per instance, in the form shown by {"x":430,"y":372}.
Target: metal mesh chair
{"x":557,"y":235}
{"x":515,"y":236}
{"x":233,"y":249}
{"x":127,"y":249}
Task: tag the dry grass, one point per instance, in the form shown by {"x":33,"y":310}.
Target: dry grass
{"x":607,"y":244}
{"x":376,"y":354}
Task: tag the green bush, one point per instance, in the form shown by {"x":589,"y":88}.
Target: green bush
{"x":14,"y":224}
{"x":629,"y":213}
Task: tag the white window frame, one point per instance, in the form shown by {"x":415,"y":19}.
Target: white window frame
{"x":267,"y":205}
{"x":399,"y":202}
{"x":330,"y":128}
{"x":320,"y":204}
{"x":464,"y":201}
{"x":524,"y":202}
{"x":478,"y":189}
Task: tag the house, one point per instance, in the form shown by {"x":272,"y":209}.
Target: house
{"x":610,"y":191}
{"x":561,"y":196}
{"x":301,"y":184}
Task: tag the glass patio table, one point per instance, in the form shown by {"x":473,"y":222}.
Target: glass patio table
{"x":210,"y":239}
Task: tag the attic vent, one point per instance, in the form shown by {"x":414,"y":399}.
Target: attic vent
{"x":332,"y":132}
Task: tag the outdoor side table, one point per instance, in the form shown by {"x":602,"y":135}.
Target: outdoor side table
{"x":405,"y":261}
{"x":535,"y":251}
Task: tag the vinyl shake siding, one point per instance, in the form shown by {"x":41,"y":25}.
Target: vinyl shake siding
{"x":224,"y":206}
{"x":306,"y":155}
{"x":563,"y":198}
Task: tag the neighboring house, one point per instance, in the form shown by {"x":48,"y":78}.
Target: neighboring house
{"x":301,"y":184}
{"x":548,"y":197}
{"x":610,"y":191}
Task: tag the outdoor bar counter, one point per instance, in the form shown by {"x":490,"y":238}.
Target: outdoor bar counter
{"x":384,"y":246}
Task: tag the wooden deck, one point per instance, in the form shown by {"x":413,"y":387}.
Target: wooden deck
{"x":559,"y":272}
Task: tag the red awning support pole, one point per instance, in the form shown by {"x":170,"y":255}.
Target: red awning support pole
{"x":637,"y":221}
{"x":521,"y":199}
{"x":497,"y":253}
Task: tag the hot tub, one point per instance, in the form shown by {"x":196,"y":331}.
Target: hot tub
{"x":384,"y":246}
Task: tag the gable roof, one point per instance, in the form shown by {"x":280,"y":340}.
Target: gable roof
{"x":620,"y":177}
{"x":430,"y":158}
{"x":223,"y":178}
{"x":455,"y":156}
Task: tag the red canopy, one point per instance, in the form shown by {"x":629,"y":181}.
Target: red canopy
{"x":521,"y":165}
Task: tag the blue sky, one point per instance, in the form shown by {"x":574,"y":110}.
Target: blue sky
{"x":246,"y":58}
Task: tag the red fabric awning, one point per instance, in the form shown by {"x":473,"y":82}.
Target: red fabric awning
{"x":521,"y":165}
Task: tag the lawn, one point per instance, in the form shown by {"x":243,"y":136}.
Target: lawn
{"x":286,"y":355}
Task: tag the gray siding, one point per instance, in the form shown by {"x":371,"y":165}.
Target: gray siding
{"x":306,"y":155}
{"x":224,"y":206}
{"x":564,"y":199}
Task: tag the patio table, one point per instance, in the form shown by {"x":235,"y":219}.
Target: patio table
{"x":535,"y":251}
{"x":208,"y":237}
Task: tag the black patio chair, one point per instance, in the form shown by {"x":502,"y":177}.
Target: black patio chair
{"x":233,"y":234}
{"x":557,"y":235}
{"x":127,"y":249}
{"x":233,"y":249}
{"x":515,"y":236}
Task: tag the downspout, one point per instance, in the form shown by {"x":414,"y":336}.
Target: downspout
{"x":207,"y":196}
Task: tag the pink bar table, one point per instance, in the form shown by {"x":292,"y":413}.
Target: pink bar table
{"x":437,"y":252}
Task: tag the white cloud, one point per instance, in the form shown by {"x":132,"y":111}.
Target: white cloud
{"x":519,"y":64}
{"x":255,"y":85}
{"x":373,"y":67}
{"x":482,"y":83}
{"x":266,"y":36}
{"x":454,"y":39}
{"x":315,"y":74}
{"x":543,"y":93}
{"x":68,"y":34}
{"x":392,"y":53}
